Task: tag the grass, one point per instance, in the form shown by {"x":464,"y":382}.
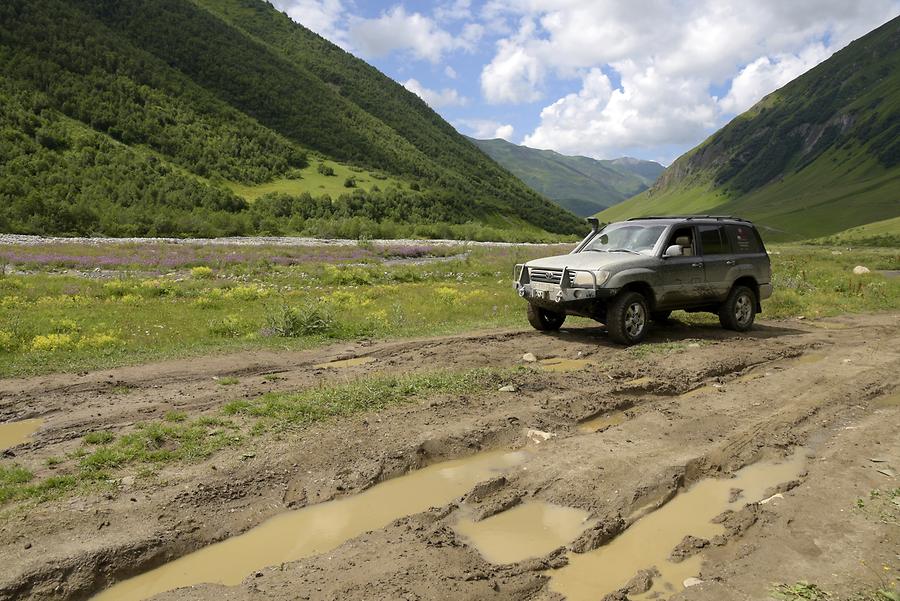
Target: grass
{"x":369,"y":394}
{"x":800,"y":591}
{"x":309,"y":180}
{"x":177,"y":439}
{"x":53,"y":320}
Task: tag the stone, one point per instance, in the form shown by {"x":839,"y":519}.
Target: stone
{"x":689,"y":582}
{"x":860,"y":270}
{"x":529,"y":358}
{"x":508,"y":388}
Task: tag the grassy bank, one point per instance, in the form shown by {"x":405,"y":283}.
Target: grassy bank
{"x":72,"y":308}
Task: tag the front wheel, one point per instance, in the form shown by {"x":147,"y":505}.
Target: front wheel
{"x":627,"y":317}
{"x":544,"y":320}
{"x":739,"y":309}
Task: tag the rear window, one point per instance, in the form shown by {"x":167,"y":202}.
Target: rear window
{"x":712,"y":239}
{"x":743,"y":239}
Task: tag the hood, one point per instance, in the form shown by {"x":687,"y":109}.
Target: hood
{"x":589,"y":260}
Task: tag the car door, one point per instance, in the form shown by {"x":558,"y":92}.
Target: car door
{"x":682,"y":278}
{"x":718,"y":260}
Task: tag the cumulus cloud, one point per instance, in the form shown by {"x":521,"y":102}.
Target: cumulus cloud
{"x":450,"y":72}
{"x":769,"y":73}
{"x":413,"y":32}
{"x":667,"y":57}
{"x":322,"y":16}
{"x":487,"y":129}
{"x":435,"y":98}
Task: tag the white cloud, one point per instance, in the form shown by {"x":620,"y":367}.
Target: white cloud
{"x":413,"y":32}
{"x":766,"y":74}
{"x":322,"y":16}
{"x":450,"y":72}
{"x":434,"y":98}
{"x":487,"y":129}
{"x":454,"y":11}
{"x":667,"y":56}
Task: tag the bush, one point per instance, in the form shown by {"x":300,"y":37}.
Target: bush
{"x":325,"y":170}
{"x":307,"y":320}
{"x":350,"y":182}
{"x":227,"y":327}
{"x":202,"y":273}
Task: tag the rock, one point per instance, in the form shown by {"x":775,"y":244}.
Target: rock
{"x":127,"y":482}
{"x":772,"y":498}
{"x":689,"y":582}
{"x":642,"y":582}
{"x":508,"y":388}
{"x":860,"y":270}
{"x":689,"y":546}
{"x":538,"y":436}
{"x":529,"y":358}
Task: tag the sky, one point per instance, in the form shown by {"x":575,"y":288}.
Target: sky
{"x":601,"y":78}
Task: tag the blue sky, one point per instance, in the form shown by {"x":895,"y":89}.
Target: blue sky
{"x":602,"y":78}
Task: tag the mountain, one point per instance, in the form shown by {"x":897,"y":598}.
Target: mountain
{"x":579,"y":184}
{"x":172,"y":117}
{"x":819,"y":155}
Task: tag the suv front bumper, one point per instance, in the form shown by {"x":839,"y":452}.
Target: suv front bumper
{"x":548,"y":294}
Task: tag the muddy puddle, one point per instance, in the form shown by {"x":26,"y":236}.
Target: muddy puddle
{"x":602,"y":422}
{"x":649,"y":541}
{"x":15,"y":433}
{"x":319,"y":528}
{"x":889,"y":400}
{"x":342,"y":363}
{"x":560,"y":364}
{"x":529,"y":530}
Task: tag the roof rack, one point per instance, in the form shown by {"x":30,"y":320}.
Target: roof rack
{"x":688,"y":217}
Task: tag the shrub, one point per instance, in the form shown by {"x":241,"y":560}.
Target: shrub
{"x":7,"y":342}
{"x":202,"y":272}
{"x":325,"y":170}
{"x":51,"y":342}
{"x":99,"y":341}
{"x":306,"y":320}
{"x":350,"y":182}
{"x":228,"y":327}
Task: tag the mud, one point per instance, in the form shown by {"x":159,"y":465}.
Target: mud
{"x":649,"y":543}
{"x":529,"y":530}
{"x":564,"y":365}
{"x":602,"y":422}
{"x":343,"y":363}
{"x":662,"y":448}
{"x":16,"y":433}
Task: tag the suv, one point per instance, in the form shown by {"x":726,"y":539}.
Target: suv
{"x":627,"y":273}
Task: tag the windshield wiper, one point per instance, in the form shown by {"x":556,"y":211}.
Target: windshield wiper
{"x":597,"y":250}
{"x":623,"y":250}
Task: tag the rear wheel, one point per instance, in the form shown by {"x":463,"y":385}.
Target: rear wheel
{"x":627,"y":318}
{"x":739,"y":309}
{"x":544,"y":320}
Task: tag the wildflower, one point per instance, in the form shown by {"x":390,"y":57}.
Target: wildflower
{"x":51,"y":342}
{"x":7,"y":342}
{"x":202,"y":272}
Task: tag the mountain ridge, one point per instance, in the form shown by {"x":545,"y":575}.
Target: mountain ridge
{"x":815,"y":157}
{"x":578,"y":183}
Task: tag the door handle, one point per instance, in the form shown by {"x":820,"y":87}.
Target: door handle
{"x":696,"y":264}
{"x":729,"y":262}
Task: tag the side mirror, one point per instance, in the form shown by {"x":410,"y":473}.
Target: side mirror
{"x":673,"y":251}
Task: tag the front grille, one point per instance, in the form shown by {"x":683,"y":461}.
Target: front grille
{"x":549,"y":276}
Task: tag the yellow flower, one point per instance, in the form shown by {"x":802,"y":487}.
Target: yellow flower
{"x":51,"y":342}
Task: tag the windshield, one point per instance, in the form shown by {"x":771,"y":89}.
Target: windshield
{"x":626,"y":237}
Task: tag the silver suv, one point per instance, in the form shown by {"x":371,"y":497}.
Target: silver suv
{"x":627,"y":273}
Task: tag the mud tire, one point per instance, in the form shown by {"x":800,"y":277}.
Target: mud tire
{"x":544,"y":320}
{"x":739,"y":310}
{"x":627,"y":318}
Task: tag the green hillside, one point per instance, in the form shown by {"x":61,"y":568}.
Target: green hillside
{"x":818,"y":156}
{"x":210,"y":117}
{"x":579,"y":184}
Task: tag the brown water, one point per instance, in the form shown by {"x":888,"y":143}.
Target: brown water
{"x":890,"y":400}
{"x":319,"y":528}
{"x":602,"y":422}
{"x":345,"y":363}
{"x":529,"y":530}
{"x":15,"y":433}
{"x":560,"y":364}
{"x":650,"y":540}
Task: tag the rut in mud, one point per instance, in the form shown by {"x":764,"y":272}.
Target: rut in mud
{"x":604,"y":441}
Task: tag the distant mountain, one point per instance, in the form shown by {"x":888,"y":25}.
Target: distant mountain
{"x":130,"y":117}
{"x":818,"y":156}
{"x":579,"y":184}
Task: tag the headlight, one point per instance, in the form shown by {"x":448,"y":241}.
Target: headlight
{"x":584,"y":279}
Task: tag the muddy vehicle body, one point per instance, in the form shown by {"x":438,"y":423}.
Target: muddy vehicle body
{"x":628,"y":273}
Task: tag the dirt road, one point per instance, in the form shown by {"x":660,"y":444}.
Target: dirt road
{"x":813,"y":405}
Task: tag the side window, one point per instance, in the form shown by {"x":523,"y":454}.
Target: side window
{"x":713,"y":241}
{"x":743,"y":239}
{"x":684,"y":238}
